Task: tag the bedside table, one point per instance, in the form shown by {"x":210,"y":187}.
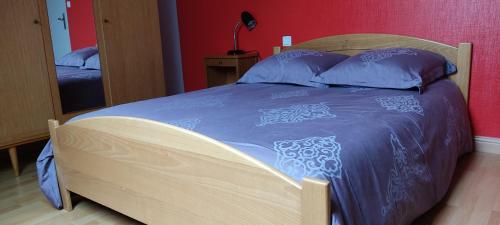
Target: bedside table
{"x":226,"y":69}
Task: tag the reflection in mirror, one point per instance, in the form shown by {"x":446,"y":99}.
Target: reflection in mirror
{"x":76,"y":54}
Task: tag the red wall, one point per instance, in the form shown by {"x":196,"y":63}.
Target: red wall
{"x":81,"y":24}
{"x":206,"y":28}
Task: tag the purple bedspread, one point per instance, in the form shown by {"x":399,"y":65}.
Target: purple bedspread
{"x":389,"y":154}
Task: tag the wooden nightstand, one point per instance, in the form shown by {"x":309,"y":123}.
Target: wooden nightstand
{"x":226,"y":69}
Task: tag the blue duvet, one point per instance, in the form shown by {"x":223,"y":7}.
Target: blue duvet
{"x":389,"y":154}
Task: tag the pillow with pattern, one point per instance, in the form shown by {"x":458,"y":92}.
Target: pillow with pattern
{"x":292,"y":67}
{"x":399,"y":68}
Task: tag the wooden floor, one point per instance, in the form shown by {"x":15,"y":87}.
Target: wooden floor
{"x":21,"y":201}
{"x":474,"y":198}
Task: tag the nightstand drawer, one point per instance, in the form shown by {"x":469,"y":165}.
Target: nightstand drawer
{"x":221,"y":62}
{"x":226,"y":69}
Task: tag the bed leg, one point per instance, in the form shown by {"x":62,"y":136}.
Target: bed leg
{"x":66,"y":199}
{"x":316,"y":205}
{"x":14,"y":160}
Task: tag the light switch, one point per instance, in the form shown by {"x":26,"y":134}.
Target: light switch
{"x":68,"y":4}
{"x":287,"y":41}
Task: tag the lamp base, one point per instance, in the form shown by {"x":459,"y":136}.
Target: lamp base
{"x":235,"y":52}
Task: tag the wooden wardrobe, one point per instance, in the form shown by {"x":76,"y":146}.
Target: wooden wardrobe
{"x":131,"y":64}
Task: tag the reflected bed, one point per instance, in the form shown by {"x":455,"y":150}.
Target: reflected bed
{"x":80,"y":88}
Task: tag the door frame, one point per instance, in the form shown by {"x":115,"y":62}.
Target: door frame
{"x":99,"y":21}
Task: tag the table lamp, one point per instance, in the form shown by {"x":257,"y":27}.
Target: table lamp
{"x":249,"y":21}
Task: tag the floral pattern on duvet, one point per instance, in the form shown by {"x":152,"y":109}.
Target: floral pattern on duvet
{"x":408,"y":170}
{"x":405,"y":103}
{"x":312,"y":156}
{"x":289,"y":94}
{"x":294,"y":114}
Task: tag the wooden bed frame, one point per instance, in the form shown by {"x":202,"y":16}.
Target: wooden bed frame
{"x":161,"y":174}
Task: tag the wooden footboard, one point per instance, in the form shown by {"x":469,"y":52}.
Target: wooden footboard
{"x":161,"y":174}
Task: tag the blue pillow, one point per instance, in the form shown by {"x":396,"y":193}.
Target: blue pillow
{"x":292,"y":67}
{"x":92,"y":63}
{"x":399,"y":68}
{"x":76,"y":58}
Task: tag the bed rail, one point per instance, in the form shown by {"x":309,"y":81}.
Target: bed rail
{"x":161,"y":174}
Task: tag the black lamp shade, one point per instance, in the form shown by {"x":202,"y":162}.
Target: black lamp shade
{"x":248,"y":20}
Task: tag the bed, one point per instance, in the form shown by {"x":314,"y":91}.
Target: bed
{"x":80,"y":88}
{"x":161,"y":162}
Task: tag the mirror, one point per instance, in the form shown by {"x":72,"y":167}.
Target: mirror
{"x":76,"y":55}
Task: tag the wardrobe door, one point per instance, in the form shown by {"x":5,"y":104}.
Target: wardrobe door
{"x":25,"y":100}
{"x":129,"y":38}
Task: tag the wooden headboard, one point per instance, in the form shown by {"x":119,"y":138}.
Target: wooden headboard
{"x":351,"y":44}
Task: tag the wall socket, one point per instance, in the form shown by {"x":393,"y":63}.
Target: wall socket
{"x":287,"y":41}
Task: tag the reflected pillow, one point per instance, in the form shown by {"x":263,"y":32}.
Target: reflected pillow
{"x":92,"y":63}
{"x":292,"y":67}
{"x":399,"y":68}
{"x":76,"y":58}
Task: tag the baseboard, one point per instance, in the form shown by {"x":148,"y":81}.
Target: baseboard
{"x":487,"y":144}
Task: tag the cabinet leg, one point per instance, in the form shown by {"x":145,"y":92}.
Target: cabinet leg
{"x":13,"y":160}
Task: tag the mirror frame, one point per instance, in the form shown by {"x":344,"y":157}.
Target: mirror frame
{"x":51,"y":67}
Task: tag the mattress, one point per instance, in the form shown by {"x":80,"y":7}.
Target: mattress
{"x":80,"y":89}
{"x":389,"y":154}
